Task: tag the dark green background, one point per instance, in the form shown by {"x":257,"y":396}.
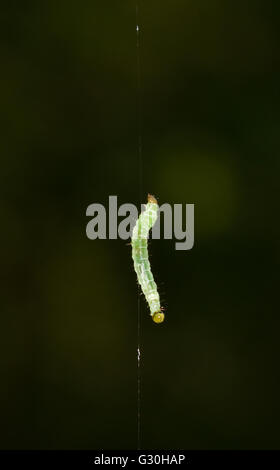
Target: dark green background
{"x":210,"y":127}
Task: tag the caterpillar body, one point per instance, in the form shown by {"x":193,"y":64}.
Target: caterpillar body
{"x":140,"y":258}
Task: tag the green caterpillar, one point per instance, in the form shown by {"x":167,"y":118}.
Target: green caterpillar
{"x":140,"y":257}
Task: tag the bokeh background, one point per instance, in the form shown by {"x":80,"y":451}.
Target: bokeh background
{"x":210,"y":127}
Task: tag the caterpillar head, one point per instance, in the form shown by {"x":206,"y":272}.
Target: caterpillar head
{"x":158,"y":317}
{"x":152,"y":199}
